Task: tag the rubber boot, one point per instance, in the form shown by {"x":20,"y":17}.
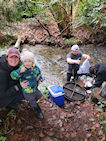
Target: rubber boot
{"x":38,"y":111}
{"x":69,"y":76}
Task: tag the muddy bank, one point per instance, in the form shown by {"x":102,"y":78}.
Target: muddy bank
{"x":33,"y":33}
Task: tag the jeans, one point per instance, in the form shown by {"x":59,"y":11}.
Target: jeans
{"x":32,"y":98}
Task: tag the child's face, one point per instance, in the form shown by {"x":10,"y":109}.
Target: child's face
{"x":75,"y":52}
{"x":28,"y":63}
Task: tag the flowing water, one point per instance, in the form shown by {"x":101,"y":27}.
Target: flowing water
{"x":52,"y":61}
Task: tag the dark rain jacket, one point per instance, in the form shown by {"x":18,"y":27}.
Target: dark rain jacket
{"x":100,"y":75}
{"x":9,"y":89}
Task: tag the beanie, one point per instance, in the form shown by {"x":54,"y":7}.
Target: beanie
{"x":27,"y":55}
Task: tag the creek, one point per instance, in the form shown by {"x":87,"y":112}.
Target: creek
{"x":52,"y":60}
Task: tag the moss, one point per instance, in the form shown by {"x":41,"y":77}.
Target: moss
{"x":72,"y":40}
{"x":6,"y":39}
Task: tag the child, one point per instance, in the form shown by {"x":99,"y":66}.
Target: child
{"x":74,"y":60}
{"x":30,"y":73}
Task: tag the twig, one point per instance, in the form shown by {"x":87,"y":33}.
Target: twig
{"x":43,"y":26}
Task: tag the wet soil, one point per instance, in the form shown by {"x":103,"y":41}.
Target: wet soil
{"x":74,"y":121}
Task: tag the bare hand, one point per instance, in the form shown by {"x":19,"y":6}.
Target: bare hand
{"x":24,"y":84}
{"x":89,"y":91}
{"x":89,"y":58}
{"x":78,"y":62}
{"x":22,"y":69}
{"x":86,"y":56}
{"x":39,"y":82}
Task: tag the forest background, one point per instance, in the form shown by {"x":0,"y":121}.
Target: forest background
{"x":69,"y":16}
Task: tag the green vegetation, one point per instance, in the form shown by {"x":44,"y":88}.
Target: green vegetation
{"x":54,"y":139}
{"x":5,"y":124}
{"x":2,"y":138}
{"x":102,"y":116}
{"x":11,"y":114}
{"x":6,"y":39}
{"x":72,"y":40}
{"x":91,"y":14}
{"x":8,"y":14}
{"x":45,"y":91}
{"x":31,"y":8}
{"x":67,"y":14}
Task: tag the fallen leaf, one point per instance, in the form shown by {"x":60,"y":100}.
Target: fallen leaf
{"x":22,"y":118}
{"x":97,"y":125}
{"x":41,"y":135}
{"x":93,"y":128}
{"x":73,"y":134}
{"x":88,"y":135}
{"x":15,"y":136}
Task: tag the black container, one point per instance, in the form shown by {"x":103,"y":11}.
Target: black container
{"x":74,"y":92}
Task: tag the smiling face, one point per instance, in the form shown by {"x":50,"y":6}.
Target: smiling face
{"x":28,"y":63}
{"x":13,"y":60}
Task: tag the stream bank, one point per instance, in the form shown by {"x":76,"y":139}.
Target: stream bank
{"x":52,"y":60}
{"x":34,"y":33}
{"x":66,"y":123}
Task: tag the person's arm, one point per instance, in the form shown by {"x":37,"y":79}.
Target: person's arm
{"x":15,"y":75}
{"x":5,"y":90}
{"x":86,"y":56}
{"x":98,"y":81}
{"x":72,"y":61}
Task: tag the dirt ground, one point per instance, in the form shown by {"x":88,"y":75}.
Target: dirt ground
{"x":74,"y":121}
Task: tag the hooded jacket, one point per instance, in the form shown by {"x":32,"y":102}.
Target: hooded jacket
{"x":9,"y":89}
{"x":100,"y":75}
{"x":30,"y":76}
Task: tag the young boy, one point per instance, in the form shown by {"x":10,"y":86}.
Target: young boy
{"x":30,"y":73}
{"x":74,"y":60}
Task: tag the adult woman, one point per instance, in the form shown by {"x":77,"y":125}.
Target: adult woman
{"x":10,"y":90}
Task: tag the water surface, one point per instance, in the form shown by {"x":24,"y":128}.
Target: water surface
{"x":52,"y":60}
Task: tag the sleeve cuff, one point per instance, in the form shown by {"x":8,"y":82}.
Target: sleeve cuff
{"x":18,"y":87}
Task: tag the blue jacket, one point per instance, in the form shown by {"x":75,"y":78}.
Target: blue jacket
{"x":30,"y":76}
